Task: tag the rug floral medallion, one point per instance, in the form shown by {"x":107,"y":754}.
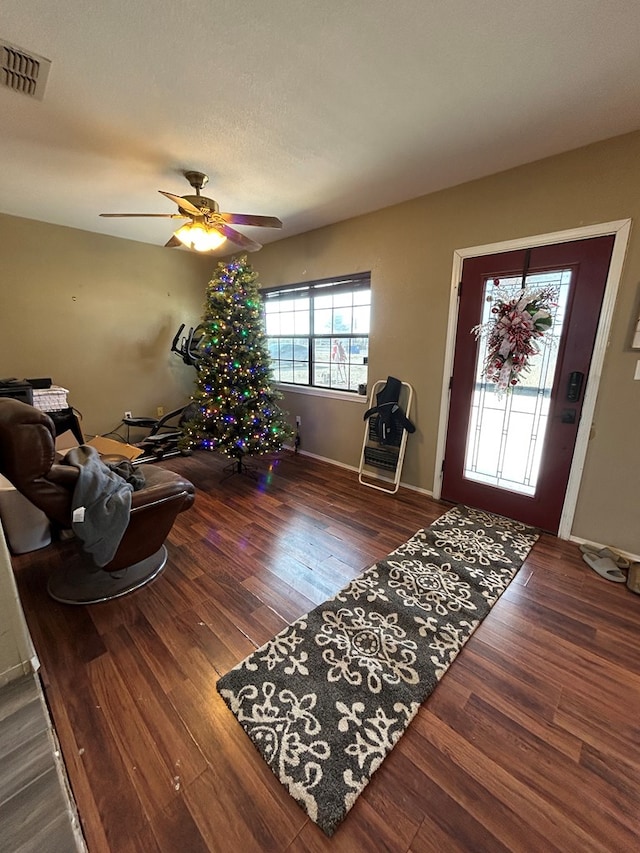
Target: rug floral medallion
{"x":328,"y":698}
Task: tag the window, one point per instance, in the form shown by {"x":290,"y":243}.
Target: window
{"x":318,"y":333}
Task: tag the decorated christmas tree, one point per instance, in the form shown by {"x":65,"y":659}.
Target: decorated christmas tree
{"x":236,"y":410}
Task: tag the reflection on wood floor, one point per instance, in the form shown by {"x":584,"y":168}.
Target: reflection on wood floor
{"x":531,"y":742}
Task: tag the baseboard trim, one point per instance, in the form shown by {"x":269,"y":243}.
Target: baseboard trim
{"x":634,"y":558}
{"x":27,"y":667}
{"x":403,"y":485}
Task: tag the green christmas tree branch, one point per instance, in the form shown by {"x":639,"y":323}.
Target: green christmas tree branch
{"x":236,"y":408}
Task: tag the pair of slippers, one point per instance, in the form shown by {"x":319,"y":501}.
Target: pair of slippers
{"x":606,"y":562}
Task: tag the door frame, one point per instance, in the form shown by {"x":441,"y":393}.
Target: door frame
{"x":621,"y":229}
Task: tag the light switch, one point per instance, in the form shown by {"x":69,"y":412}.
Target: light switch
{"x":636,"y":375}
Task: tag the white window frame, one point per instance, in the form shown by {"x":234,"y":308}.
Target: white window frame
{"x":309,"y":290}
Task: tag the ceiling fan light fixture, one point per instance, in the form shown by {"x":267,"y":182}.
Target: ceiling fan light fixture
{"x":201,"y":237}
{"x":207,"y":229}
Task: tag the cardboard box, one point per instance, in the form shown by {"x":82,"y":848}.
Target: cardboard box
{"x":110,"y":447}
{"x":65,"y":441}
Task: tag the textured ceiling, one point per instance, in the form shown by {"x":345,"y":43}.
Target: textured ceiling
{"x":310,"y":112}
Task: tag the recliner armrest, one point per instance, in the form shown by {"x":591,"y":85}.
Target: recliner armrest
{"x":63,"y":475}
{"x":161,"y":485}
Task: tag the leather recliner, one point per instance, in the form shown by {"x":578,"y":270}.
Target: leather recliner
{"x":28,"y":459}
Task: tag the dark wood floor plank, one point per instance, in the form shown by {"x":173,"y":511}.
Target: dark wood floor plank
{"x":622,"y":778}
{"x":226,"y":588}
{"x":246,"y":631}
{"x":180,"y":753}
{"x":528,"y":743}
{"x":398,"y":798}
{"x":222,"y":643}
{"x":147,"y":639}
{"x":533,"y":809}
{"x":460,"y":806}
{"x":280,"y":596}
{"x":301,"y":578}
{"x":105,"y":776}
{"x":173,"y":829}
{"x":368,"y":832}
{"x":258,"y":824}
{"x":512,"y":701}
{"x":616,"y":632}
{"x":218,"y":549}
{"x":614,"y":729}
{"x":586,"y":799}
{"x":450,"y":825}
{"x":187,"y":644}
{"x":529,"y":690}
{"x":608,"y":691}
{"x":151,"y":778}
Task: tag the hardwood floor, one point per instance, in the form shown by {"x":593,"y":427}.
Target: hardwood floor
{"x":531,"y":742}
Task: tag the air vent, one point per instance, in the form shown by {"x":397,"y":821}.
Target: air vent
{"x":22,"y":71}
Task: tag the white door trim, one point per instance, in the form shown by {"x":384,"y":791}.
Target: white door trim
{"x":621,"y":229}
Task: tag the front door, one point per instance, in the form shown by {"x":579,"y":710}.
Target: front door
{"x":510,"y":453}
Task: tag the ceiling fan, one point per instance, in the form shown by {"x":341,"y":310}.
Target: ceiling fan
{"x":207,"y":228}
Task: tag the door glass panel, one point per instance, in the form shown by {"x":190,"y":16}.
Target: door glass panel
{"x":506,"y":433}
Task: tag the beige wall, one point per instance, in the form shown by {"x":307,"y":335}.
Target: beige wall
{"x":409,"y":250}
{"x":97,"y":314}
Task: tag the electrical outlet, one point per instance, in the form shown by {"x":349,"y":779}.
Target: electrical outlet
{"x":127,"y":414}
{"x":298,"y":420}
{"x":160,"y":411}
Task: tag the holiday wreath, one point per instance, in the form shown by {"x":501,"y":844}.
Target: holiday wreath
{"x":516,"y":324}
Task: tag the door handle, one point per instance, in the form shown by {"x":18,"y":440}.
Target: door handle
{"x":575,"y":386}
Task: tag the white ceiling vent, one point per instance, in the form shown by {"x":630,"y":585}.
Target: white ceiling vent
{"x":23,"y":71}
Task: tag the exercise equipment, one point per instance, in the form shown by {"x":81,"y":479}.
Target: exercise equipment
{"x":190,"y":344}
{"x":165,"y":433}
{"x":163,"y":437}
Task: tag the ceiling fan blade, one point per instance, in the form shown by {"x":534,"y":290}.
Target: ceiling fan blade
{"x":183,"y":203}
{"x":238,"y":238}
{"x":249,"y":219}
{"x":172,"y":242}
{"x":156,"y":215}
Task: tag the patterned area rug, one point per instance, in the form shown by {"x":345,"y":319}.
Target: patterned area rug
{"x":327,"y":698}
